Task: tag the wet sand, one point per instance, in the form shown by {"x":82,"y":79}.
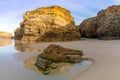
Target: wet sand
{"x":106,"y":55}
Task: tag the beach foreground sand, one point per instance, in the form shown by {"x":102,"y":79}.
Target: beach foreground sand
{"x":106,"y":55}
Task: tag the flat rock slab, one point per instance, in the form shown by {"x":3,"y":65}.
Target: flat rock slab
{"x":56,"y":53}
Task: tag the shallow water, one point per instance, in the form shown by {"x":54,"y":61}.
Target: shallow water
{"x":13,"y":55}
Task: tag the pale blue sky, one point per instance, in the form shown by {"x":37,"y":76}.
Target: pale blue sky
{"x":11,"y":10}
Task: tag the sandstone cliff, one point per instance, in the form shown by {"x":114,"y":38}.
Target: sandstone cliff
{"x":51,"y":23}
{"x":106,"y":25}
{"x":5,"y":35}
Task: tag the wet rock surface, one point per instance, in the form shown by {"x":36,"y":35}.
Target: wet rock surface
{"x":54,"y":54}
{"x":57,"y":53}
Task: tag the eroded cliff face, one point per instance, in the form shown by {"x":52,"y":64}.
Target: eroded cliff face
{"x":52,"y":23}
{"x":5,"y":35}
{"x":106,"y":25}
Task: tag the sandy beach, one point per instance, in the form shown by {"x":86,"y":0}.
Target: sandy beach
{"x":106,"y":55}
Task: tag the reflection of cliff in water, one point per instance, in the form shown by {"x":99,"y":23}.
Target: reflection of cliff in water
{"x":24,"y":47}
{"x":5,"y":42}
{"x":65,"y":71}
{"x":63,"y":67}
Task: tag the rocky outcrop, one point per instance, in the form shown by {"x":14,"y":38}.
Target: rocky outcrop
{"x":5,"y":35}
{"x":52,"y":23}
{"x":106,"y":25}
{"x":55,"y":54}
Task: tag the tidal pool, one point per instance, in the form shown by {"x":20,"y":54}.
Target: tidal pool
{"x":12,"y":64}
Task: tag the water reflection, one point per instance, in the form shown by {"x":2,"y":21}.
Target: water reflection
{"x":18,"y":58}
{"x":24,"y":47}
{"x":5,"y":43}
{"x":65,"y":71}
{"x":63,"y":67}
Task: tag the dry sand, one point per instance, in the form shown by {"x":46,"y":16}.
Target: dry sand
{"x":106,"y":55}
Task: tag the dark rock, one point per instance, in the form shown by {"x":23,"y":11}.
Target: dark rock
{"x":43,"y":64}
{"x":73,"y":58}
{"x":56,"y":53}
{"x":106,"y":25}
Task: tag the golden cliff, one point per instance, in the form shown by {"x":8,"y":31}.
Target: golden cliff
{"x":51,"y":23}
{"x":5,"y":35}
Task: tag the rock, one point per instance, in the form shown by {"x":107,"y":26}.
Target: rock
{"x":106,"y":25}
{"x":5,"y":35}
{"x":44,"y":64}
{"x":88,"y":59}
{"x":52,"y":23}
{"x":54,"y":60}
{"x":54,"y":66}
{"x":73,"y":58}
{"x":56,"y":53}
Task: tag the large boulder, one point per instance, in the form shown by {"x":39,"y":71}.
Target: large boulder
{"x":106,"y":25}
{"x":56,"y":53}
{"x":5,"y":35}
{"x":52,"y":23}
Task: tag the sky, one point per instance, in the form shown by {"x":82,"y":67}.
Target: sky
{"x":11,"y":11}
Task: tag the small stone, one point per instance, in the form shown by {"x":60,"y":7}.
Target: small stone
{"x":46,"y":72}
{"x":88,"y":58}
{"x":73,"y":58}
{"x":54,"y":66}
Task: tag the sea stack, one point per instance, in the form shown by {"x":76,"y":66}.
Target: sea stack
{"x":52,"y":23}
{"x":106,"y":25}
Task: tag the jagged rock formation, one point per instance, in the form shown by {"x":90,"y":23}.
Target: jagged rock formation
{"x":106,"y":25}
{"x":55,"y":54}
{"x":52,"y":23}
{"x":5,"y":35}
